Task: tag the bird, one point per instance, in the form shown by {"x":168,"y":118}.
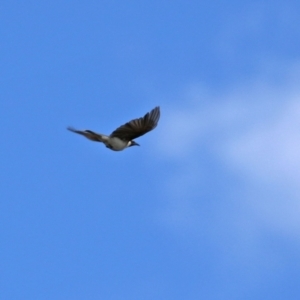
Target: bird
{"x":123,"y":137}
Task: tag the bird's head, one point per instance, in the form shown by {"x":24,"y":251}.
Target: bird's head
{"x":133,"y":143}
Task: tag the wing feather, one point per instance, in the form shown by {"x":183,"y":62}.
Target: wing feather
{"x":138,"y":127}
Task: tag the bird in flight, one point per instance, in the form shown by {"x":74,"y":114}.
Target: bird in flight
{"x":123,"y":137}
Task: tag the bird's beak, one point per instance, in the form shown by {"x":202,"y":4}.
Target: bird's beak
{"x":133,"y":143}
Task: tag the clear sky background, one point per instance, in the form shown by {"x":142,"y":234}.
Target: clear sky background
{"x":208,"y":207}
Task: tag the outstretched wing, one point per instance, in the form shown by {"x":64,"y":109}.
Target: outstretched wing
{"x":138,"y":127}
{"x":93,"y":136}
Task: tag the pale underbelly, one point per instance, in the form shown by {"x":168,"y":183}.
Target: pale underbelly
{"x":116,"y":144}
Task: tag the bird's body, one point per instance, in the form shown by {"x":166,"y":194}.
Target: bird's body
{"x":123,"y":136}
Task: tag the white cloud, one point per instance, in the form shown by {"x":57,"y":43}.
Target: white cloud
{"x":251,"y":132}
{"x":270,"y":150}
{"x":255,"y":130}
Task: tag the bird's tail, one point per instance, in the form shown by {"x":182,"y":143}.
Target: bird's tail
{"x":93,"y":136}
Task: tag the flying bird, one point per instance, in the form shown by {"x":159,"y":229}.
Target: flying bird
{"x":123,"y":137}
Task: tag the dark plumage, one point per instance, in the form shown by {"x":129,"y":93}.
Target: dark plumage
{"x":123,"y":136}
{"x":138,"y":127}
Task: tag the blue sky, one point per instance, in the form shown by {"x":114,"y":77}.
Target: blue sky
{"x":208,"y":207}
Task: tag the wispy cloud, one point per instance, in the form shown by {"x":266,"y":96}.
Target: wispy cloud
{"x":250,"y":133}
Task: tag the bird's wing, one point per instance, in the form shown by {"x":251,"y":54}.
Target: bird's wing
{"x":138,"y":127}
{"x":93,"y":136}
